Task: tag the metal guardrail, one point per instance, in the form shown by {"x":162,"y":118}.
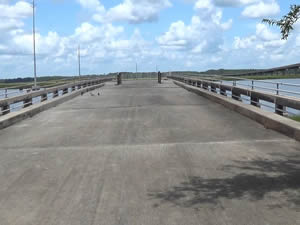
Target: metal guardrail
{"x":234,"y":82}
{"x":25,"y":100}
{"x":282,"y":69}
{"x":6,"y":93}
{"x":277,"y":85}
{"x":255,"y":97}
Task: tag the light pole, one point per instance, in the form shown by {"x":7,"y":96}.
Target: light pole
{"x":79,"y":69}
{"x":34,"y":56}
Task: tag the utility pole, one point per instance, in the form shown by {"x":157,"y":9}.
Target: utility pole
{"x":33,"y":31}
{"x":79,"y":70}
{"x":135,"y":70}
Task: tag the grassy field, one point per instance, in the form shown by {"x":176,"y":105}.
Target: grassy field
{"x":272,"y":77}
{"x":296,"y":118}
{"x":24,"y":85}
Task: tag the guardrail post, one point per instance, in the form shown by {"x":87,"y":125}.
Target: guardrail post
{"x":205,"y":85}
{"x":280,"y":110}
{"x":213,"y":88}
{"x":223,"y":91}
{"x":236,"y":95}
{"x":44,"y":97}
{"x":199,"y":84}
{"x":254,"y":101}
{"x":159,"y":77}
{"x":65,"y":91}
{"x":5,"y":109}
{"x":27,"y":102}
{"x":55,"y":94}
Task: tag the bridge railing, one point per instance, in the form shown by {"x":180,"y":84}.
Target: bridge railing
{"x":255,"y":97}
{"x":8,"y":105}
{"x":283,"y":70}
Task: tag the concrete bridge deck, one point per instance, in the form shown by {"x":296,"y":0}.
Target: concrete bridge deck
{"x":144,"y":153}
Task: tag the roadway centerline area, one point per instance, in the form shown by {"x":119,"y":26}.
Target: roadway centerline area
{"x":144,"y":153}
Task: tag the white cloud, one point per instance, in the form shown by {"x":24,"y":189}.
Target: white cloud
{"x":102,"y":43}
{"x":202,"y":35}
{"x":132,"y":11}
{"x":204,"y":4}
{"x":21,"y":9}
{"x":12,"y":16}
{"x":233,"y":3}
{"x":264,"y":33}
{"x":90,"y":4}
{"x":261,"y":9}
{"x":137,"y":11}
{"x":262,"y":39}
{"x":200,"y":43}
{"x":242,"y":43}
{"x":89,"y":33}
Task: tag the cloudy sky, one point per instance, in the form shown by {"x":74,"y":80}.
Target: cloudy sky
{"x":115,"y":34}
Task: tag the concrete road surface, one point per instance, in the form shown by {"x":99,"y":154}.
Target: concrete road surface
{"x":142,"y":154}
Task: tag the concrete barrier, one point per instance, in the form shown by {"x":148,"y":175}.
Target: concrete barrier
{"x":14,"y":117}
{"x":280,"y":102}
{"x":269,"y":120}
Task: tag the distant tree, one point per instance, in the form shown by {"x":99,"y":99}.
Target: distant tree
{"x":287,"y":22}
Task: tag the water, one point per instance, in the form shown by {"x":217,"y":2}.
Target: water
{"x":271,"y":87}
{"x":15,"y":92}
{"x":10,"y":93}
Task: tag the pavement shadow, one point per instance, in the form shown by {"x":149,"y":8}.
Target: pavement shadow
{"x":252,"y":180}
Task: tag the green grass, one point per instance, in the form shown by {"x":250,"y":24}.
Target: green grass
{"x":296,"y":118}
{"x":14,"y":85}
{"x":24,"y":85}
{"x":267,"y":77}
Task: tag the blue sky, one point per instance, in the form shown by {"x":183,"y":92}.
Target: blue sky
{"x":115,"y":34}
